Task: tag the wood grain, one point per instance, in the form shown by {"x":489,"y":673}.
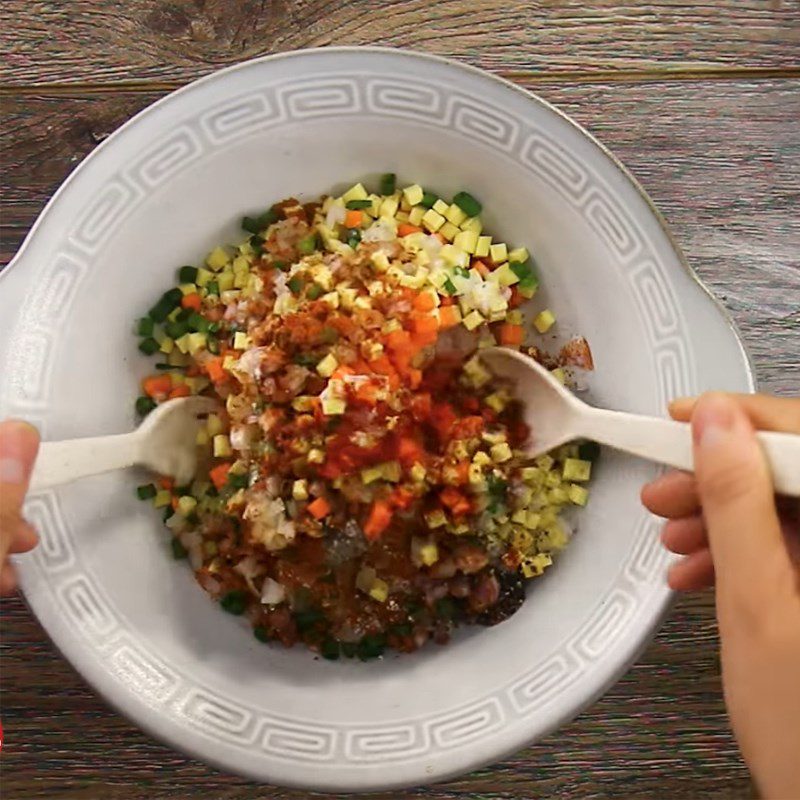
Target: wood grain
{"x":721,"y":160}
{"x":176,"y":40}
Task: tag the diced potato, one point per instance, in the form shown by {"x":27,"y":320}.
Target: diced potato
{"x":300,"y":489}
{"x":483,"y":248}
{"x":379,"y":590}
{"x":413,"y":194}
{"x":357,"y":192}
{"x":432,"y":220}
{"x":162,"y":499}
{"x":455,"y":214}
{"x":186,"y":505}
{"x":544,"y":320}
{"x":498,"y":253}
{"x":472,"y":224}
{"x":217,"y":259}
{"x":500,"y":452}
{"x":222,"y":446}
{"x":519,"y":254}
{"x":449,"y":231}
{"x":327,"y":366}
{"x":578,"y":495}
{"x":576,"y":469}
{"x":472,"y":320}
{"x":466,"y":241}
{"x":440,"y":207}
{"x":436,"y":518}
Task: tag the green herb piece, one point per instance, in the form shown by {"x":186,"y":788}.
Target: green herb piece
{"x":144,"y":405}
{"x":371,"y":646}
{"x":308,"y":244}
{"x":388,"y":183}
{"x":295,"y":285}
{"x":234,"y":602}
{"x":178,"y":550}
{"x":357,"y":205}
{"x":468,"y":204}
{"x":428,"y":200}
{"x":261,"y":633}
{"x":146,"y":492}
{"x":353,"y":236}
{"x":449,"y":287}
{"x":168,"y":301}
{"x":589,"y":451}
{"x":315,"y":291}
{"x":305,"y":620}
{"x":187,"y":274}
{"x":176,"y":329}
{"x":148,"y":346}
{"x":330,"y":650}
{"x":145,"y":327}
{"x":238,"y":481}
{"x":212,"y":287}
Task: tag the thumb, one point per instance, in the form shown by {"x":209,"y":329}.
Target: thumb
{"x":737,"y":497}
{"x":19,"y":443}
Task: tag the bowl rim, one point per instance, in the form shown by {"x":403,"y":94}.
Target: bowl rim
{"x":658,"y":605}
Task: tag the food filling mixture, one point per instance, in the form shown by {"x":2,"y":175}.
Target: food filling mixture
{"x":362,"y":486}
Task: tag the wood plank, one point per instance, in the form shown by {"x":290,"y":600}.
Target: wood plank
{"x":176,"y":40}
{"x":722,"y":160}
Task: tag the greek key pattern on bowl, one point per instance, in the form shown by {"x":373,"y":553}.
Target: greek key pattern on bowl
{"x":86,"y":607}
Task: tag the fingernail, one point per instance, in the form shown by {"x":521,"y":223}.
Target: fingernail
{"x":17,"y":447}
{"x":712,"y":420}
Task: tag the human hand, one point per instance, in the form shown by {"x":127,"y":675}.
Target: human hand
{"x":732,"y":531}
{"x":19,"y":443}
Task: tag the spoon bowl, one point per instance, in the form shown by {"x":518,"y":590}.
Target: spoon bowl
{"x":556,"y":416}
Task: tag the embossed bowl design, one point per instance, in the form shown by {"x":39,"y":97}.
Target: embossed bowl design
{"x":173,"y":182}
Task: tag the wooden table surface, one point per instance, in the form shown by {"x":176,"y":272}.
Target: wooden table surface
{"x":700,"y":100}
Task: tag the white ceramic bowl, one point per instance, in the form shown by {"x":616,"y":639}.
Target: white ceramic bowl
{"x":173,"y":182}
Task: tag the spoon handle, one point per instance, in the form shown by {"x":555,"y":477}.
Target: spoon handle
{"x":62,"y":462}
{"x":670,"y":442}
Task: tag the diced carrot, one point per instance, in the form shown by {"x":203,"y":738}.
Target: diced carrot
{"x":192,"y":371}
{"x":166,"y":483}
{"x":214,"y":369}
{"x":424,"y":323}
{"x":443,"y":418}
{"x":410,"y":452}
{"x":406,"y":228}
{"x":174,"y":502}
{"x":402,"y":497}
{"x":469,"y":427}
{"x":448,"y":317}
{"x":424,"y":302}
{"x":380,"y":516}
{"x":462,"y":470}
{"x":181,"y":390}
{"x":353,"y":218}
{"x":398,"y":340}
{"x":511,"y":334}
{"x":481,"y":267}
{"x":156,"y":385}
{"x":420,"y":340}
{"x":219,"y":474}
{"x":192,"y":300}
{"x":516,"y":299}
{"x":319,"y":508}
{"x":414,"y":378}
{"x":455,"y":501}
{"x":421,"y":406}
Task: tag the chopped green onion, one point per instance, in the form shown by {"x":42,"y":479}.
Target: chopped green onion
{"x":449,"y":287}
{"x":353,"y":237}
{"x":357,"y":205}
{"x":468,"y":204}
{"x":261,"y":633}
{"x":212,"y":345}
{"x":305,"y":360}
{"x":176,"y":329}
{"x":462,"y":271}
{"x":388,"y":183}
{"x":234,"y":602}
{"x":168,"y":512}
{"x":187,"y":274}
{"x":589,"y":451}
{"x":428,"y":199}
{"x":163,"y":366}
{"x":295,"y":285}
{"x":212,"y":287}
{"x":521,"y":269}
{"x":329,"y":335}
{"x":197,"y":322}
{"x":167,"y":302}
{"x":238,"y":481}
{"x":256,"y":224}
{"x":144,"y":405}
{"x":308,"y":244}
{"x":330,"y":650}
{"x":145,"y":327}
{"x":148,"y":346}
{"x":371,"y":646}
{"x":214,"y":327}
{"x":178,"y":550}
{"x":146,"y":492}
{"x":315,"y":291}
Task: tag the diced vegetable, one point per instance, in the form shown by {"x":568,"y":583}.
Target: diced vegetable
{"x":468,"y":204}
